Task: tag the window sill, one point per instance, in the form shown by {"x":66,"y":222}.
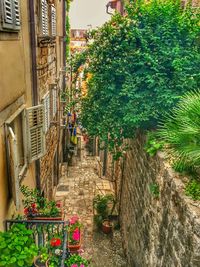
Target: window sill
{"x":42,"y":40}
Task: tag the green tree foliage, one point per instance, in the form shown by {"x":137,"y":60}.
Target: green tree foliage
{"x":193,"y":189}
{"x":141,"y":64}
{"x":181,"y":131}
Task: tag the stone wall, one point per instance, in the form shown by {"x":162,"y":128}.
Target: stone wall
{"x":46,"y":69}
{"x":47,"y":162}
{"x":157,"y":232}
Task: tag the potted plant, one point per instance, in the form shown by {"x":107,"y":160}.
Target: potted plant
{"x":76,"y":261}
{"x":42,"y":259}
{"x":39,"y":208}
{"x":104,"y":206}
{"x":74,"y":234}
{"x":17,"y":247}
{"x":55,"y":251}
{"x":107,"y":226}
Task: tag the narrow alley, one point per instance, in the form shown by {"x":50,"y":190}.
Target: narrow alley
{"x":78,"y":186}
{"x":99,"y":133}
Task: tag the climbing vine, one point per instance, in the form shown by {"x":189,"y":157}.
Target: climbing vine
{"x":67,"y":27}
{"x":140,"y":64}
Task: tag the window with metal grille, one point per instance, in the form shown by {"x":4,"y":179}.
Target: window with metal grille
{"x":35,"y":135}
{"x":46,"y":102}
{"x":44,"y":18}
{"x":10,"y":15}
{"x":53,"y":21}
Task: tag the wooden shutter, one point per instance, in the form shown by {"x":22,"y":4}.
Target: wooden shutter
{"x":17,"y":13}
{"x":13,"y":162}
{"x":54,"y":101}
{"x":44,"y":17}
{"x":53,"y":21}
{"x":36,"y":136}
{"x":46,"y":102}
{"x":8,"y":11}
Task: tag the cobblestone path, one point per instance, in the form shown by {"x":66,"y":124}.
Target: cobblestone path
{"x":77,"y":187}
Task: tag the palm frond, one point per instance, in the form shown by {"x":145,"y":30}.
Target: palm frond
{"x":181,"y":130}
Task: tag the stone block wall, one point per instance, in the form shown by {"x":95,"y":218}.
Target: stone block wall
{"x":46,"y":62}
{"x":46,"y":69}
{"x":162,"y":232}
{"x":47,"y":162}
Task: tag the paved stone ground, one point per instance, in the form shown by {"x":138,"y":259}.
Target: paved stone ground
{"x":77,"y":188}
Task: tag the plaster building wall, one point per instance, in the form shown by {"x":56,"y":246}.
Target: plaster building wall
{"x":15,"y":91}
{"x":16,"y":95}
{"x":157,"y":232}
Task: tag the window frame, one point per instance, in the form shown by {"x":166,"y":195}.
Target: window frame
{"x":18,"y":173}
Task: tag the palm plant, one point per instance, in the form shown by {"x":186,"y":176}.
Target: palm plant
{"x":181,"y":131}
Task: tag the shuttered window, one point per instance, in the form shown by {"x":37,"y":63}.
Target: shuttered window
{"x":35,"y":128}
{"x":13,"y":162}
{"x":44,"y":18}
{"x":54,"y":101}
{"x":53,"y":21}
{"x":10,"y":11}
{"x":17,"y":13}
{"x":46,"y":102}
{"x":15,"y":152}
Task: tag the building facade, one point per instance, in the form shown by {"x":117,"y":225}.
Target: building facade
{"x":32,"y":52}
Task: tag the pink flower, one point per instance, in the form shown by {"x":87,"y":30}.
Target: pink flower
{"x":82,"y":265}
{"x":73,"y":219}
{"x":74,"y":265}
{"x":76,"y":234}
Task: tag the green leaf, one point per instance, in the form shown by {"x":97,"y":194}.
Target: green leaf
{"x":20,"y":263}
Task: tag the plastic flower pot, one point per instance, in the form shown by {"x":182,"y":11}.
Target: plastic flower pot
{"x":107,"y":226}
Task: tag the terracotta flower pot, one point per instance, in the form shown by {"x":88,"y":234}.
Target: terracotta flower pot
{"x":74,"y":247}
{"x":45,"y":218}
{"x":107,"y":226}
{"x":42,"y":218}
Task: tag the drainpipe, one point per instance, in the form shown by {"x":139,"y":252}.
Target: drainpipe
{"x":64,"y":41}
{"x":34,"y":76}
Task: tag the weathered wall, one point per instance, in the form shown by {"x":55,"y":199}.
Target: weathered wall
{"x":163,"y":232}
{"x":15,"y":90}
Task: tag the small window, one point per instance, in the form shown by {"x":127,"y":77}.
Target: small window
{"x":44,"y":21}
{"x":35,"y":132}
{"x":54,"y":99}
{"x":46,"y":103}
{"x":53,"y":21}
{"x":10,"y":15}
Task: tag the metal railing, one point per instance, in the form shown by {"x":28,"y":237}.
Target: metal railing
{"x":43,"y":231}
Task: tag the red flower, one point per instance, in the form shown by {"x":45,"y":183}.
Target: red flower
{"x":58,"y":205}
{"x":26,"y":211}
{"x":33,"y":205}
{"x":55,"y":242}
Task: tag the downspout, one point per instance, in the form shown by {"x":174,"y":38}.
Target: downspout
{"x":34,"y":76}
{"x":63,"y":143}
{"x":64,"y":42}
